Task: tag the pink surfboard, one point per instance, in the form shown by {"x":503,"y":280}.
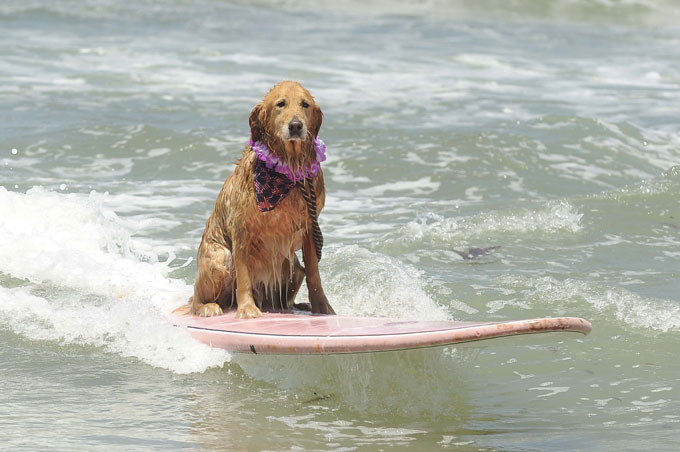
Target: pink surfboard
{"x":301,"y":333}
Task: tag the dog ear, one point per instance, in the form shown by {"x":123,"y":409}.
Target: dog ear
{"x":316,"y":120}
{"x":256,"y":121}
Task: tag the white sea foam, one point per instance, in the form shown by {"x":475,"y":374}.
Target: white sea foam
{"x":612,"y":302}
{"x":508,"y":69}
{"x":420,"y":187}
{"x":127,"y":327}
{"x":649,"y":12}
{"x":363,"y":283}
{"x":554,"y":218}
{"x":47,"y":236}
{"x":90,"y":282}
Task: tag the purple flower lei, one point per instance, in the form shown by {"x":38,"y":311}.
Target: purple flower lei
{"x":271,"y":160}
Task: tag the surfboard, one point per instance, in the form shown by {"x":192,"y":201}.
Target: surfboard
{"x":303,"y":333}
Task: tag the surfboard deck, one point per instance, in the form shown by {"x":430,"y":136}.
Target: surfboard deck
{"x":303,"y":333}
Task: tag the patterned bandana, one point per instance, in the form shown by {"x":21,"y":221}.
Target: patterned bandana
{"x":270,"y":187}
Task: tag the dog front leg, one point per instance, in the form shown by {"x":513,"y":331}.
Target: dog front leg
{"x":247,"y":309}
{"x":317,"y":297}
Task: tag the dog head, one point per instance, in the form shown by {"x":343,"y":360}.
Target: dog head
{"x":287,"y":120}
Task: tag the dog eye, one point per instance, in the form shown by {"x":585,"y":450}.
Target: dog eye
{"x":304,"y":104}
{"x":281,"y":104}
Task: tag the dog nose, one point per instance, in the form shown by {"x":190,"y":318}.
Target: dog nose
{"x":295,"y":127}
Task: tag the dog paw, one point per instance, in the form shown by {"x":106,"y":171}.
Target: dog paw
{"x":209,"y":310}
{"x":307,"y":307}
{"x":248,"y":311}
{"x":322,"y":308}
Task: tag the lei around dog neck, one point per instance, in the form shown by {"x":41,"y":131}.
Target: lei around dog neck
{"x":272,"y":161}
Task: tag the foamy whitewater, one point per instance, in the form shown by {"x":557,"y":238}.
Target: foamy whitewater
{"x":488,"y":161}
{"x":87,"y":283}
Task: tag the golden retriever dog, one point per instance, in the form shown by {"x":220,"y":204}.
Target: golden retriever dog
{"x":248,"y":247}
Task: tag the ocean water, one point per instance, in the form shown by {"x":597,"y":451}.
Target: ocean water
{"x":546,"y":129}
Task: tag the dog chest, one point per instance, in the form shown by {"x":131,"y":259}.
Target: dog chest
{"x":282,"y":228}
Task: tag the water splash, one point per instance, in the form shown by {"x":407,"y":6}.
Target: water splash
{"x":613,"y":303}
{"x":82,"y":279}
{"x":367,"y":283}
{"x":554,"y":219}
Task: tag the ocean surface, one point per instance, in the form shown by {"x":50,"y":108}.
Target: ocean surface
{"x":548,"y":131}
